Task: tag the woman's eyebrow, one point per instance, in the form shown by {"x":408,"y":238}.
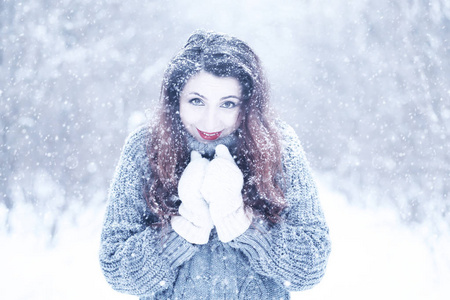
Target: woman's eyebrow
{"x":197,"y":94}
{"x":223,"y":98}
{"x":231,"y":96}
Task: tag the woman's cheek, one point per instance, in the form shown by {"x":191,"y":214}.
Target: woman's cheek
{"x":233,"y":120}
{"x":189,"y":116}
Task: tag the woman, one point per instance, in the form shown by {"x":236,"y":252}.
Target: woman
{"x":216,"y":199}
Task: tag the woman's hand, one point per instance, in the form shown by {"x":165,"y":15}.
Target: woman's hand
{"x":222,"y":188}
{"x":194,"y":223}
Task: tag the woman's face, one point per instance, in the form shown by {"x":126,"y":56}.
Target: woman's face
{"x":210,"y":106}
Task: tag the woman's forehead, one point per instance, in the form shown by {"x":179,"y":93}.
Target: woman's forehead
{"x":208,"y":85}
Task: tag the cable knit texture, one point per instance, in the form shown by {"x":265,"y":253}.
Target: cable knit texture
{"x":262,"y":263}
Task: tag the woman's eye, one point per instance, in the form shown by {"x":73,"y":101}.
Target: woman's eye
{"x":228,"y":104}
{"x":196,"y":102}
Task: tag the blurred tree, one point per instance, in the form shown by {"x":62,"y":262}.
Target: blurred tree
{"x":365,"y":85}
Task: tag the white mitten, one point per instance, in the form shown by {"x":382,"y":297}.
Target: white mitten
{"x":222,"y":188}
{"x":195,"y":222}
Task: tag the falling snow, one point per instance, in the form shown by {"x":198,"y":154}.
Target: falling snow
{"x":364,"y":84}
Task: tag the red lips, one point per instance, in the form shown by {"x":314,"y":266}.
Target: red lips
{"x":209,"y":136}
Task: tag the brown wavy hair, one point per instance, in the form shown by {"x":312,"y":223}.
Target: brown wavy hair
{"x":258,"y":149}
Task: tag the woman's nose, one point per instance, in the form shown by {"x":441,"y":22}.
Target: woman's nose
{"x":211,"y":120}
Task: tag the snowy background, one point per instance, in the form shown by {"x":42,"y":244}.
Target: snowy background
{"x":364,"y":83}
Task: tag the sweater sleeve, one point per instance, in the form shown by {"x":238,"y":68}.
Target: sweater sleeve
{"x":135,"y":257}
{"x":295,"y":251}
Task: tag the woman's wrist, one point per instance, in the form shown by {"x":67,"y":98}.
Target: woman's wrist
{"x":232,"y":225}
{"x":190,"y":232}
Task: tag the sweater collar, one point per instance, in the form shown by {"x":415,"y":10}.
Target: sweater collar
{"x":208,"y":149}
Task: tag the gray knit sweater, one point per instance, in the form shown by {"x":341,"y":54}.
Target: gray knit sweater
{"x":263,"y":263}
